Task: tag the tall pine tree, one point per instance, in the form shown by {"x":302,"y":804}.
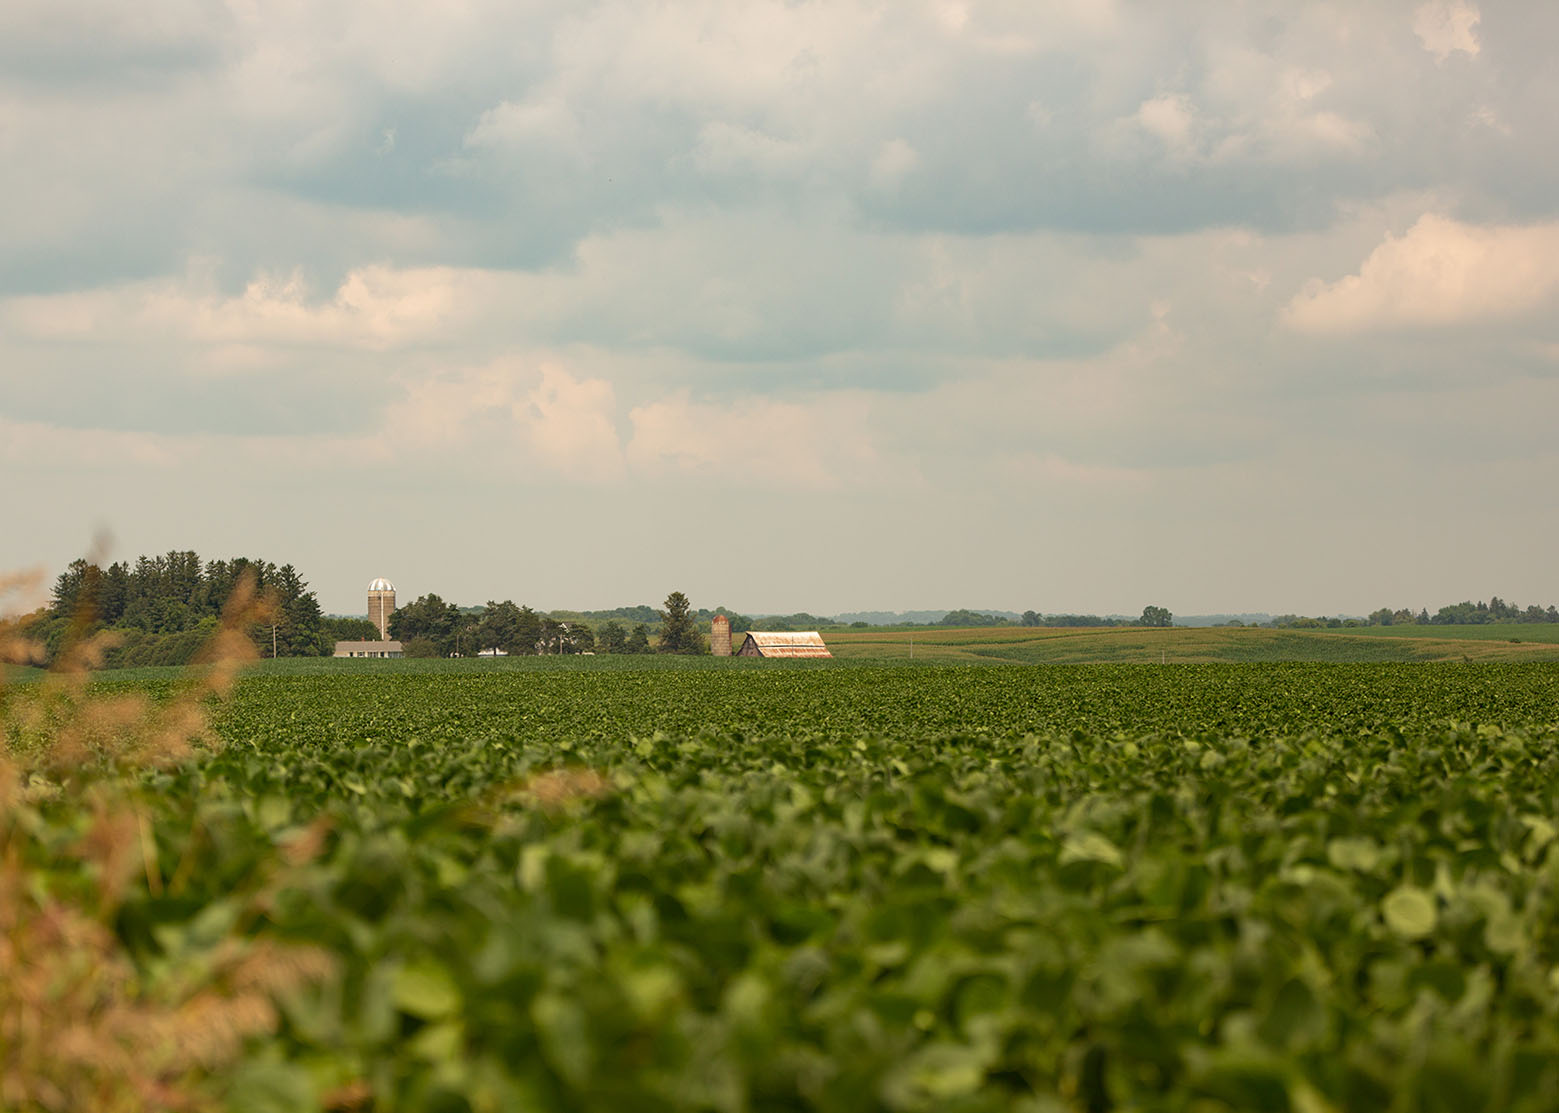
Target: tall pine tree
{"x":677,"y":632}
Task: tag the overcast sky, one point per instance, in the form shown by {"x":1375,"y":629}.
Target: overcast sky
{"x":856,"y":304}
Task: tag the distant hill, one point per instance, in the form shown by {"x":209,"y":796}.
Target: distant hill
{"x":920,"y":618}
{"x":1221,"y":619}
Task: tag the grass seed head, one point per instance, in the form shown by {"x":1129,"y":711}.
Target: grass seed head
{"x":81,"y":1026}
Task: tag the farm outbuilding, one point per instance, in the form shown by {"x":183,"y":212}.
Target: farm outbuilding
{"x":370,"y":649}
{"x":800,"y":644}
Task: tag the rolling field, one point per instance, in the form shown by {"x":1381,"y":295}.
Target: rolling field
{"x":697,"y":884}
{"x":1067,"y":645}
{"x":1546,"y":633}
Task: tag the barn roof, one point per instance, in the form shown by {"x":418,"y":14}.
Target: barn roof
{"x":801,"y":643}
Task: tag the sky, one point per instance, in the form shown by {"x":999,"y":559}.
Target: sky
{"x":1064,"y":305}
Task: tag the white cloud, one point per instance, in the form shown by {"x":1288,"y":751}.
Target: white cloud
{"x":1441,"y":272}
{"x":953,"y":16}
{"x":374,"y":308}
{"x":1265,"y":107}
{"x":725,"y":148}
{"x":509,"y":416}
{"x":1486,"y":117}
{"x":1445,"y":27}
{"x":1171,"y":118}
{"x":1253,"y":108}
{"x":572,"y":427}
{"x":542,"y":120}
{"x":823,"y":444}
{"x":1329,"y":130}
{"x":886,"y":263}
{"x":895,"y":159}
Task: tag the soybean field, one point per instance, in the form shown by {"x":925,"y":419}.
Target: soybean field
{"x":760,"y":886}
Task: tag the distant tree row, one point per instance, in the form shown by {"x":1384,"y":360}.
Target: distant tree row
{"x":1466,"y":613}
{"x":777,"y":623}
{"x":430,"y":627}
{"x":1151,"y":616}
{"x":164,"y":607}
{"x":972,"y":618}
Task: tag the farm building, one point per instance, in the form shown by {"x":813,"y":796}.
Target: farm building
{"x":800,"y":644}
{"x":369,"y":649}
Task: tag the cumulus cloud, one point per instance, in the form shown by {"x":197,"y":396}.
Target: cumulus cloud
{"x":374,"y":308}
{"x":895,"y":159}
{"x":726,"y":148}
{"x":822,"y":258}
{"x":1170,"y":118}
{"x":821,"y":444}
{"x":1278,"y":107}
{"x":1440,"y":272}
{"x":510,"y":416}
{"x":1446,"y":27}
{"x":546,"y":120}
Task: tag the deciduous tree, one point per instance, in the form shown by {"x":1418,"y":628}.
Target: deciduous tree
{"x":613,"y":636}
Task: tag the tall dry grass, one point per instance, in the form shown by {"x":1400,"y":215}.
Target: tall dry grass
{"x":82,"y":1026}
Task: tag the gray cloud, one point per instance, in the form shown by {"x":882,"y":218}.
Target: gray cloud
{"x":1029,"y":272}
{"x":519,"y":133}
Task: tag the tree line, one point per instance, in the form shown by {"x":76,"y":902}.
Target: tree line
{"x":165,"y":607}
{"x":430,"y":627}
{"x":1465,"y":613}
{"x":1151,"y":616}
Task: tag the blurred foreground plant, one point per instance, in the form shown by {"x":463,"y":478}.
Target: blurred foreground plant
{"x":82,"y":1025}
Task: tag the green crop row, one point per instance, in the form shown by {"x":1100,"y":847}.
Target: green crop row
{"x":557,"y":886}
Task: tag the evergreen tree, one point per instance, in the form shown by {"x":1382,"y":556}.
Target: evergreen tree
{"x":298,"y":614}
{"x":677,"y":632}
{"x":68,"y":588}
{"x":115,"y":593}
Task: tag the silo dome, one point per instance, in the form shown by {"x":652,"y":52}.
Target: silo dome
{"x":381,"y":584}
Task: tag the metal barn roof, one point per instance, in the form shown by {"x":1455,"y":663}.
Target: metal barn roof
{"x":807,"y":643}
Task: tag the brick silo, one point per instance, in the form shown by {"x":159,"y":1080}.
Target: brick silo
{"x":720,"y":636}
{"x":381,"y":605}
